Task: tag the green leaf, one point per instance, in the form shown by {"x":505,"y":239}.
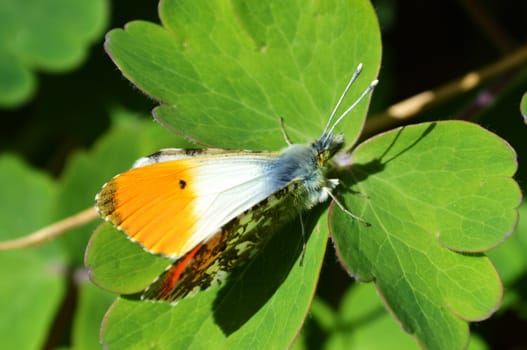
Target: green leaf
{"x":511,"y":263}
{"x":510,"y":258}
{"x":33,"y":280}
{"x":119,"y":265}
{"x":361,"y":319}
{"x":523,"y":107}
{"x":91,"y":307}
{"x":239,"y":66}
{"x":277,"y":285}
{"x":17,"y":83}
{"x":435,"y":196}
{"x":477,"y":343}
{"x":51,"y":35}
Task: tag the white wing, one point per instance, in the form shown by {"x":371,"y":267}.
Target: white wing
{"x":175,"y":199}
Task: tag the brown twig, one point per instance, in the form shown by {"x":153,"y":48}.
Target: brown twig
{"x":411,"y":107}
{"x":52,"y":231}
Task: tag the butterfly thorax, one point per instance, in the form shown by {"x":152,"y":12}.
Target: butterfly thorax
{"x":307,"y":164}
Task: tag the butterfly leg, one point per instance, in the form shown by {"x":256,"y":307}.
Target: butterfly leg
{"x":303,"y":238}
{"x":341,"y":206}
{"x":284,"y":132}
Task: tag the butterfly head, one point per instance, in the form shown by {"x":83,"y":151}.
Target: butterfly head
{"x":330,"y":143}
{"x":327,"y":146}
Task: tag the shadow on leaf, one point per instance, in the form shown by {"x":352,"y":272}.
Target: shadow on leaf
{"x":250,"y":287}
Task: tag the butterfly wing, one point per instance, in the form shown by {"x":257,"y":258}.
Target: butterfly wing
{"x":176,"y":199}
{"x":212,"y":210}
{"x":210,"y":262}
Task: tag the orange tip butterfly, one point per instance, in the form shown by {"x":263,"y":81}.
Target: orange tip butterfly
{"x":211,"y":210}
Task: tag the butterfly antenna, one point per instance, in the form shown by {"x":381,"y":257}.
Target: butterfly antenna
{"x":352,"y":80}
{"x":357,"y":101}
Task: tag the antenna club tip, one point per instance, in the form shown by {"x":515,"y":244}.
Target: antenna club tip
{"x":374,"y":83}
{"x":359,"y":67}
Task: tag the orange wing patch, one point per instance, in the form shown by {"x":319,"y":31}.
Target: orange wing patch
{"x":154,"y":205}
{"x":211,"y":262}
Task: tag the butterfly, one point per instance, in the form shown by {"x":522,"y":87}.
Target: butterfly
{"x":212,"y":210}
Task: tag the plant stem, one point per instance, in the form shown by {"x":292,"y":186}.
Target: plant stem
{"x":52,"y":231}
{"x":411,"y":107}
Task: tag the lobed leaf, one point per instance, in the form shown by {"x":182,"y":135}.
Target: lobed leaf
{"x":226,"y":71}
{"x":436,"y":196}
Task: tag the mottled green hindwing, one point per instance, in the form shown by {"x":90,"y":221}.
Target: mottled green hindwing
{"x":238,"y":241}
